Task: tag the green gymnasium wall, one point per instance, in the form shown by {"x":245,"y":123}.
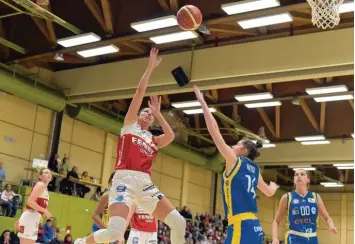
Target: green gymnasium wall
{"x":68,"y":211}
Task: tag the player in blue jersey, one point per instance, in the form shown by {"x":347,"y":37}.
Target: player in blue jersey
{"x":240,"y":180}
{"x":302,"y":208}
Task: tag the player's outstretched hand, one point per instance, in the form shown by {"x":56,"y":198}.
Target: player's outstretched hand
{"x":198,"y":94}
{"x":154,"y":104}
{"x":275,"y":241}
{"x":47,"y":214}
{"x":154,"y":61}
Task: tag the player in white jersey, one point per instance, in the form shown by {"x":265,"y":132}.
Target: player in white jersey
{"x":27,"y":225}
{"x":131,"y":184}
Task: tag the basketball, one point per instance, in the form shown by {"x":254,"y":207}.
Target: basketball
{"x":189,"y":17}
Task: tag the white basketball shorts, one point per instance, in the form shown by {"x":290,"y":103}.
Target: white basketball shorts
{"x":141,"y":237}
{"x":28,"y":223}
{"x":130,"y":186}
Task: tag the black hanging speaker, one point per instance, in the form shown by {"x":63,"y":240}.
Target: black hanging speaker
{"x":180,"y":76}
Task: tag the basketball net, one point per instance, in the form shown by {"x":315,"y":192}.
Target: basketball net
{"x":325,"y":13}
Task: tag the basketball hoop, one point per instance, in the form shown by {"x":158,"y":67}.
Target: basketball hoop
{"x":325,"y":13}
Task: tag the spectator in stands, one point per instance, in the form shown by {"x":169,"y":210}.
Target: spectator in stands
{"x":67,"y":186}
{"x":48,"y":234}
{"x":2,"y":173}
{"x":82,"y":188}
{"x":8,"y":201}
{"x":64,"y":167}
{"x":40,"y":233}
{"x":57,"y":239}
{"x":197,"y":217}
{"x":5,"y":237}
{"x":53,"y":165}
{"x":184,"y":212}
{"x":68,"y":239}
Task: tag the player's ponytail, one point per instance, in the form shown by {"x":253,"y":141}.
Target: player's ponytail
{"x":253,"y":148}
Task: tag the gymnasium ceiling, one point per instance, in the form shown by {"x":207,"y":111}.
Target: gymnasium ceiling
{"x":33,"y":44}
{"x":36,"y":42}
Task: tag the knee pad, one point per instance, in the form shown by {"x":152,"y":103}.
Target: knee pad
{"x":177,"y":223}
{"x":115,"y":228}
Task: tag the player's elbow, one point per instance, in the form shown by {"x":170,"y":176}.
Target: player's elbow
{"x":269,"y":192}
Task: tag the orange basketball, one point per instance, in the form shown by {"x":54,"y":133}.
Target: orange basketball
{"x":189,"y":17}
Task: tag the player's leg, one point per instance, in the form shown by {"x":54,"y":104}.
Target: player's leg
{"x":156,"y":204}
{"x":250,"y":232}
{"x":120,"y":200}
{"x":28,"y":227}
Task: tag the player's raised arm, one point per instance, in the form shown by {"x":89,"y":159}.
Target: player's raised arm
{"x":136,"y":103}
{"x":213,"y":129}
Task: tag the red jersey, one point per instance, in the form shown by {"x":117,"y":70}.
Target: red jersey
{"x":143,"y":222}
{"x":136,"y":149}
{"x":42,"y":200}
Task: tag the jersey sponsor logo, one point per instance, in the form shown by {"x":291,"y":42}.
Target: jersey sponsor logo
{"x":313,"y":210}
{"x":158,"y":194}
{"x":300,"y":221}
{"x":135,"y":240}
{"x":145,"y":148}
{"x":296,"y":201}
{"x":149,"y":188}
{"x":121,"y":188}
{"x":144,"y":217}
{"x":311,"y":200}
{"x":295,"y":211}
{"x":251,"y":168}
{"x":119,"y":198}
{"x":258,"y":229}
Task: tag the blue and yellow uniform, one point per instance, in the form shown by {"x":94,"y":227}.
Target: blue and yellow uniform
{"x":302,"y":218}
{"x":239,"y":199}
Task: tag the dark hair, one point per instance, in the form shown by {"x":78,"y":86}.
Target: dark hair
{"x":48,"y":220}
{"x":141,"y":110}
{"x":253,"y":148}
{"x":66,"y":237}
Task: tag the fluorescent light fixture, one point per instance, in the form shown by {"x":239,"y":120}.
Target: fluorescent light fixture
{"x":154,"y":24}
{"x":346,"y":167}
{"x":98,"y":51}
{"x":315,"y":142}
{"x":347,"y":7}
{"x":266,"y":141}
{"x":326,"y":90}
{"x":174,"y":37}
{"x":307,"y":168}
{"x":186,"y":104}
{"x":268,"y":145}
{"x":79,"y":40}
{"x":248,"y":6}
{"x":253,"y":97}
{"x":341,"y":165}
{"x":334,"y":98}
{"x":263,"y":104}
{"x":310,"y":138}
{"x":335,"y":185}
{"x":299,"y":166}
{"x":265,"y":21}
{"x":197,"y":111}
{"x":329,"y":183}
